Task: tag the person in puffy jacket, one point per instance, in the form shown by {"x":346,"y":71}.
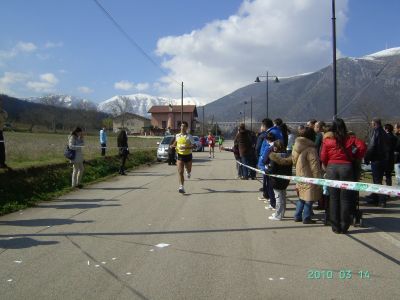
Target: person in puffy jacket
{"x":306,"y":161}
{"x":339,"y":153}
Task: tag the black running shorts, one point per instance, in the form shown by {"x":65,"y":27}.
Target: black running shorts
{"x":185,"y":158}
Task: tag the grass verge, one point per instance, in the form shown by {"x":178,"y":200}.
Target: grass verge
{"x":21,"y":188}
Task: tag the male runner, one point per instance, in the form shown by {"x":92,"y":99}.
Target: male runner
{"x":184,"y":144}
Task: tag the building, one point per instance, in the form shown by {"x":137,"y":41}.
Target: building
{"x":133,"y":123}
{"x":169,"y":116}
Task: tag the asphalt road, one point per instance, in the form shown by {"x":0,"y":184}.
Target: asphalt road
{"x":136,"y":237}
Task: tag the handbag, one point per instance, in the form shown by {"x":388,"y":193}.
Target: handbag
{"x":69,"y":153}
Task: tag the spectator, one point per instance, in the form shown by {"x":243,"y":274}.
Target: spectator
{"x":284,"y":130}
{"x":3,"y":118}
{"x":319,"y":129}
{"x":122,"y":144}
{"x":171,"y":153}
{"x":300,"y":130}
{"x":103,"y":141}
{"x":291,"y":140}
{"x":397,"y":153}
{"x":76,"y":142}
{"x":378,"y":155}
{"x":305,"y":159}
{"x":202,"y":142}
{"x":243,"y":139}
{"x":220,"y":142}
{"x":339,"y":153}
{"x":311,"y":123}
{"x":279,"y":166}
{"x":392,"y":147}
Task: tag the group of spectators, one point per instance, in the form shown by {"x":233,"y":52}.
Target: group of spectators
{"x":317,"y":150}
{"x":76,"y":143}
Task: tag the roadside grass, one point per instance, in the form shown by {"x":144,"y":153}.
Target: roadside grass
{"x":24,"y":187}
{"x":24,"y":150}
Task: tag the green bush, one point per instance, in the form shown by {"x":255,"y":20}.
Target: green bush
{"x":24,"y":187}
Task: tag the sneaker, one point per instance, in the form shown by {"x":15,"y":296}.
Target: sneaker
{"x":262,"y":198}
{"x":269,"y":207}
{"x":273,"y":215}
{"x":273,"y":218}
{"x":308,"y":221}
{"x":188,"y":175}
{"x":181,"y":189}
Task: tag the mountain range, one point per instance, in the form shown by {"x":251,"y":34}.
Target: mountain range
{"x":368,"y":86}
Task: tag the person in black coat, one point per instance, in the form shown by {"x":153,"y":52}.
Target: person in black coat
{"x":378,"y":155}
{"x":122,"y":143}
{"x":280,"y":163}
{"x":392,"y":147}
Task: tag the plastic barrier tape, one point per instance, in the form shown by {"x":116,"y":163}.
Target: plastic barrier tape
{"x":347,"y":185}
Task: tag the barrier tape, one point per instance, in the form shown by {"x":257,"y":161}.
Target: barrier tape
{"x":346,"y":185}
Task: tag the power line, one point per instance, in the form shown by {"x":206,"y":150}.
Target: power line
{"x":132,"y":41}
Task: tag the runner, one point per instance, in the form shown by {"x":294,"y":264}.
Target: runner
{"x":220,"y":142}
{"x":211,"y":144}
{"x":184,"y":143}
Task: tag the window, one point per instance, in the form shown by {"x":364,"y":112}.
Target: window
{"x":164,"y":124}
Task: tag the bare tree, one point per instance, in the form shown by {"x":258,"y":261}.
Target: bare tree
{"x":120,"y":107}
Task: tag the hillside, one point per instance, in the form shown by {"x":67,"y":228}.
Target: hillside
{"x":367,"y":86}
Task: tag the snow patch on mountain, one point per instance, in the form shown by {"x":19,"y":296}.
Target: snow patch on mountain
{"x":139,"y":103}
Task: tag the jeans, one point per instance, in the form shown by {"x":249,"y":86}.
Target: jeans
{"x":303,"y":210}
{"x":268,"y":191}
{"x":342,"y":202}
{"x":397,"y":171}
{"x":239,"y":168}
{"x":280,"y":196}
{"x":245,"y":171}
{"x":378,"y":170}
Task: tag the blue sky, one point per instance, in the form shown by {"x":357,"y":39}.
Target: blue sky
{"x":215,"y":47}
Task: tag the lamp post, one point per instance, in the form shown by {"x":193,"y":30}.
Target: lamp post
{"x":244,"y":112}
{"x":266,"y":79}
{"x":334,"y":60}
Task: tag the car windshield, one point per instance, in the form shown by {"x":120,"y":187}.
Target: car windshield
{"x":167,"y":139}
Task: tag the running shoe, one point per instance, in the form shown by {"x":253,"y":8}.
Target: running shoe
{"x":181,"y":189}
{"x":262,"y":198}
{"x":273,"y":218}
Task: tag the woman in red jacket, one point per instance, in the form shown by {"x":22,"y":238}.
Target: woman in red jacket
{"x":339,"y":151}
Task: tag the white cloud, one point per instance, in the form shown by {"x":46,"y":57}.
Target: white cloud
{"x":20,"y":47}
{"x":126,"y":85}
{"x":46,"y":84}
{"x":25,"y":47}
{"x":85,"y":90}
{"x":53,"y":45}
{"x":286,"y":37}
{"x":9,"y":79}
{"x":142,"y":86}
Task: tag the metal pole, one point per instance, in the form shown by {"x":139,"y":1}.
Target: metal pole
{"x":182,"y":104}
{"x":251,"y":113}
{"x":244,"y":113}
{"x":202,"y":130}
{"x":334,"y":60}
{"x":267,"y":95}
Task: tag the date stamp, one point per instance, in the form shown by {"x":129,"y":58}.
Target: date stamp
{"x":344,"y":274}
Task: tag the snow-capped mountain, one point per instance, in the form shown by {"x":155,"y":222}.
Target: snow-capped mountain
{"x":138,"y":103}
{"x":66,"y":101}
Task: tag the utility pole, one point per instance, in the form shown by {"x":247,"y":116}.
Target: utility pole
{"x":182,"y":104}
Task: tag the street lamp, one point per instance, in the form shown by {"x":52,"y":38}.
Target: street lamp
{"x":334,"y":60}
{"x":244,"y":112}
{"x":266,"y":79}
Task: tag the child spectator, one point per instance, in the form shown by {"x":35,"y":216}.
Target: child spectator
{"x":280,"y":164}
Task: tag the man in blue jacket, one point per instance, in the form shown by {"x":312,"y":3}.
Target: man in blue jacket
{"x":103,"y":141}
